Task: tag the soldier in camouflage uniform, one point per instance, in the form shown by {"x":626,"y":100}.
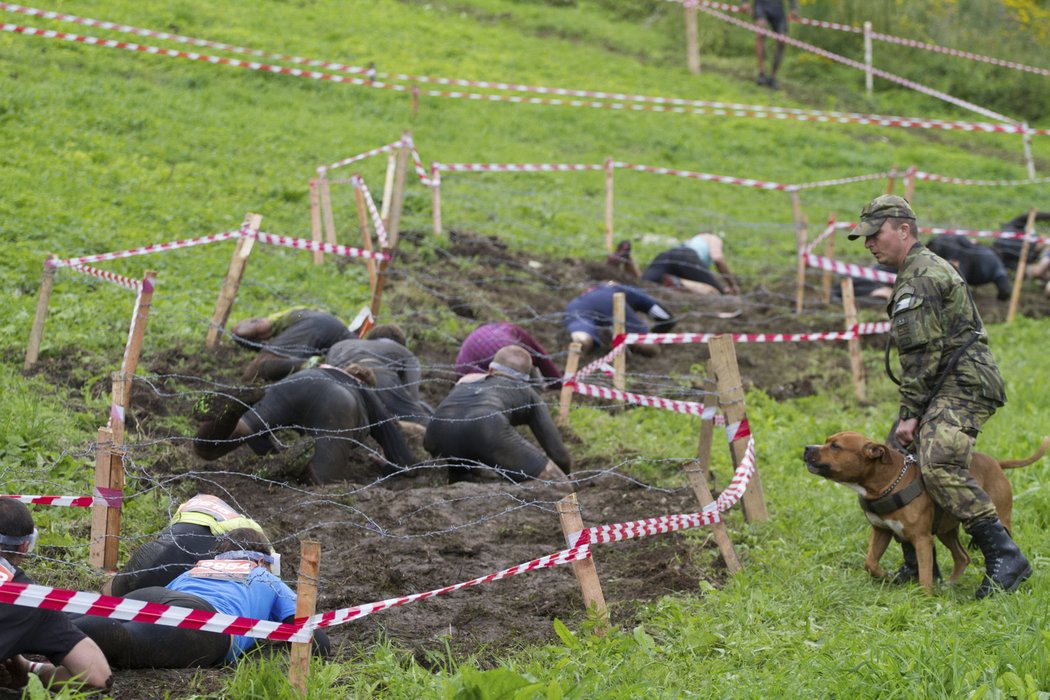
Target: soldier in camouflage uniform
{"x":950,"y":384}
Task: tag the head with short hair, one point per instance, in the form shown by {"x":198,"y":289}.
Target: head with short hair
{"x":887,"y":207}
{"x":391,"y":331}
{"x":513,"y":357}
{"x":244,"y":539}
{"x":16,"y":525}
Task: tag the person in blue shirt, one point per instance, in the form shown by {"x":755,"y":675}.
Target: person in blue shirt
{"x":589,"y":317}
{"x":236,"y":582}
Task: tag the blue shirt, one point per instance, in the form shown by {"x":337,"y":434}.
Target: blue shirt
{"x":261,"y":596}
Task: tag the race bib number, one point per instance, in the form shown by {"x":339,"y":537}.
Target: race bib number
{"x":7,"y":571}
{"x":209,"y":505}
{"x":222,"y":569}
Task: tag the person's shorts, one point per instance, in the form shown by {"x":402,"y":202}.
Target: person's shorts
{"x":773,"y":14}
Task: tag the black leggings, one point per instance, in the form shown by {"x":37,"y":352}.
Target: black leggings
{"x":158,"y":562}
{"x":142,"y":645}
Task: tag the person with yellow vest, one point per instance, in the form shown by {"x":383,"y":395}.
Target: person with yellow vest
{"x":192,"y":534}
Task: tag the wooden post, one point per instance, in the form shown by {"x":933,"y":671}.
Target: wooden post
{"x":366,"y":236}
{"x":800,"y":245}
{"x":230,"y":285}
{"x":609,"y":204}
{"x":699,"y":474}
{"x":618,"y":328}
{"x":43,"y":299}
{"x":435,"y":197}
{"x":415,"y":101}
{"x":315,"y":220}
{"x":326,"y":210}
{"x":305,"y":606}
{"x":377,"y":292}
{"x":388,"y":189}
{"x":856,"y":362}
{"x":572,"y":363}
{"x":893,"y":179}
{"x":133,"y":349}
{"x":1026,"y":141}
{"x":825,"y":279}
{"x":1022,"y":264}
{"x":104,"y":545}
{"x":586,"y":573}
{"x":909,"y":184}
{"x":692,"y":43}
{"x":398,"y":197}
{"x":731,"y":401}
{"x":868,"y":80}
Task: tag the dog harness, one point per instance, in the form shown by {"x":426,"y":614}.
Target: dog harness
{"x":888,"y":502}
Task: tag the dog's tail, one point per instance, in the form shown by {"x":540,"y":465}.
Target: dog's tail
{"x":1015,"y":463}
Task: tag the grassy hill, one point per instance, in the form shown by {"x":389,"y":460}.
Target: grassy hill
{"x":105,"y":149}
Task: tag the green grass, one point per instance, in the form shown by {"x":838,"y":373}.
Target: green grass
{"x":103,"y":150}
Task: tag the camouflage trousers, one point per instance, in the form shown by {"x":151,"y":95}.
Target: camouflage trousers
{"x":947,"y":432}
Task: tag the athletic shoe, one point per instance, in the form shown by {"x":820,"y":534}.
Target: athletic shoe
{"x":762,"y":79}
{"x":670,"y":281}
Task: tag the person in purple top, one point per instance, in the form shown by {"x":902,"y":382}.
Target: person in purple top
{"x":486,"y":340}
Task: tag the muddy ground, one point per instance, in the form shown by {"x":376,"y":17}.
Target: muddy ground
{"x":384,"y":539}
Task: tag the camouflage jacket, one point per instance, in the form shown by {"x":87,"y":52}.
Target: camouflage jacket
{"x":933,"y":319}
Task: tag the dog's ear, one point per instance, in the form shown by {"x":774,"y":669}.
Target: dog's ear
{"x":874,"y":451}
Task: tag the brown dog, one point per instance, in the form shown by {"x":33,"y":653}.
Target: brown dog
{"x":896,"y":505}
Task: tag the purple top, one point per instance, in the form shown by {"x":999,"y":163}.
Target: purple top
{"x":483,"y":342}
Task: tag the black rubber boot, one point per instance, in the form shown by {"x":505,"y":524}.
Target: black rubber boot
{"x":1004,"y":565}
{"x":909,"y":570}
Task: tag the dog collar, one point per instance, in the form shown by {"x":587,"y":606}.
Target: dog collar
{"x":888,"y":502}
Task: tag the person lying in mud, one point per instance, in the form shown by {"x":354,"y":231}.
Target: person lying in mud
{"x":396,"y":370}
{"x":237,"y":581}
{"x":474,"y":425}
{"x":193,"y":534}
{"x":588,"y":318}
{"x":286,"y":340}
{"x":336,"y":406}
{"x":486,"y":340}
{"x":688,"y":266}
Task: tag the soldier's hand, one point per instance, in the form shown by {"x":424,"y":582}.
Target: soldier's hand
{"x":905,"y":432}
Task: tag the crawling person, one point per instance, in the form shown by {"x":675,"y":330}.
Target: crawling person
{"x":689,"y":266}
{"x":237,"y":582}
{"x":976,"y":263}
{"x":474,"y":425}
{"x":193,"y":534}
{"x":396,"y":370}
{"x":589,"y":316}
{"x":486,"y":340}
{"x":286,"y":340}
{"x":335,"y":406}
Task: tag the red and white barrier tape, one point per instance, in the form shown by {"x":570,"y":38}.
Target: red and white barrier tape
{"x":601,"y":362}
{"x":973,"y":233}
{"x":832,"y":226}
{"x":417,"y":161}
{"x":120,"y":280}
{"x":514,"y":167}
{"x":674,"y":338}
{"x":303,"y":244}
{"x":746,"y":182}
{"x":930,"y":177}
{"x":843,"y":181}
{"x":849,"y":269}
{"x":860,"y":66}
{"x":377,"y":219}
{"x":323,"y":169}
{"x":687,"y":407}
{"x":34,"y":596}
{"x":144,"y":250}
{"x":112,"y":498}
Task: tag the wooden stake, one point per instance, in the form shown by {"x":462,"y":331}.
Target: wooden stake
{"x":1022,"y":265}
{"x":43,"y":299}
{"x":692,"y":43}
{"x":366,"y":236}
{"x":571,"y":365}
{"x":856,"y":362}
{"x":377,"y":292}
{"x":609,"y":205}
{"x":800,"y":244}
{"x":104,"y":545}
{"x":909,"y":184}
{"x":326,"y":210}
{"x":825,"y":279}
{"x":232,"y":283}
{"x":699,"y":475}
{"x":133,"y":349}
{"x":868,"y":78}
{"x":388,"y":190}
{"x":1026,"y":142}
{"x":731,"y":401}
{"x":435,"y":198}
{"x":398,"y":198}
{"x":415,"y":101}
{"x":315,"y":220}
{"x":892,"y":180}
{"x":586,"y":573}
{"x":618,"y":329}
{"x":305,"y":606}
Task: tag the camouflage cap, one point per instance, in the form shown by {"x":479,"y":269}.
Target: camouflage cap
{"x":877,"y":211}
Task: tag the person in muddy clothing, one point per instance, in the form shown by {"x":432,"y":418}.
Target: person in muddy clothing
{"x":589,"y":316}
{"x":395,"y":368}
{"x":976,"y":263}
{"x":688,"y":266}
{"x":192,"y":534}
{"x":238,"y":582}
{"x":474,"y":425}
{"x":286,"y":340}
{"x":335,"y":406}
{"x":486,"y":340}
